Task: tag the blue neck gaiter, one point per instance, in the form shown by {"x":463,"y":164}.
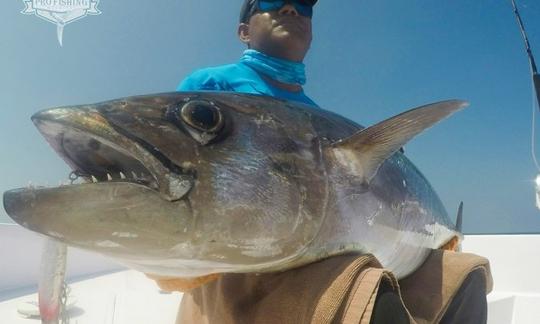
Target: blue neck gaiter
{"x":278,"y":69}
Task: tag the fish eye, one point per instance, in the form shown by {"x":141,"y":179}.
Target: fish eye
{"x":203,"y":116}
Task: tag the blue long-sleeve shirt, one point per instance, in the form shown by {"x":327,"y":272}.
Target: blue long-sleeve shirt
{"x":238,"y":77}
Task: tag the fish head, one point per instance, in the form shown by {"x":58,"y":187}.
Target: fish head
{"x":183,"y":184}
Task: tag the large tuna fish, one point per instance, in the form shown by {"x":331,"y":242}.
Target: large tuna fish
{"x":191,"y":184}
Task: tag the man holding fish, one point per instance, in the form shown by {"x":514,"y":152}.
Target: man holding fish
{"x":262,"y":207}
{"x":278,"y":35}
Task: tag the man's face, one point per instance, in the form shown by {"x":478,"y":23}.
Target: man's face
{"x":282,"y":33}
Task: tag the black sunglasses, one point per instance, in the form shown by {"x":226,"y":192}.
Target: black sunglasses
{"x":303,"y":7}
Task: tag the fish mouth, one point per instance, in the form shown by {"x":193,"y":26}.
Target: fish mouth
{"x":101,"y":152}
{"x":132,"y":202}
{"x":97,"y":160}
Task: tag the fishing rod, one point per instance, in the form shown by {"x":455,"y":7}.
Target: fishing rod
{"x":536,"y":94}
{"x":535,"y":75}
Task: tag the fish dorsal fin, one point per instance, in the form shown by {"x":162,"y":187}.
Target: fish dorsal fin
{"x":373,"y":145}
{"x":459,"y":219}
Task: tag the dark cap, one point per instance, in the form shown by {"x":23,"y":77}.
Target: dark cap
{"x":248,"y":9}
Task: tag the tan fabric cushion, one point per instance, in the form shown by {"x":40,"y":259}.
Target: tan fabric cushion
{"x":360,"y":303}
{"x":310,"y":294}
{"x":427,"y":293}
{"x":340,"y":289}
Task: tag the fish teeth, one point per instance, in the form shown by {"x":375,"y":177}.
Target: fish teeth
{"x":109,"y":177}
{"x":134,"y":174}
{"x":94,"y":179}
{"x":122,"y":176}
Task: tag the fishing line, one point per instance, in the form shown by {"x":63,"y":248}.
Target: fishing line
{"x":535,"y":94}
{"x":533,"y":129}
{"x":535,"y":79}
{"x":533,"y":145}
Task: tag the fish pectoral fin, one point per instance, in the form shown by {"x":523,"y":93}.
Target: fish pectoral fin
{"x":373,"y":145}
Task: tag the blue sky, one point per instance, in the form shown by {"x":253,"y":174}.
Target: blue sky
{"x":369,"y":61}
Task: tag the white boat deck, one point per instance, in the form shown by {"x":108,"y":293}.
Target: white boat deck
{"x":103,"y":291}
{"x":121,"y":297}
{"x":515,"y":261}
{"x":125,"y":296}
